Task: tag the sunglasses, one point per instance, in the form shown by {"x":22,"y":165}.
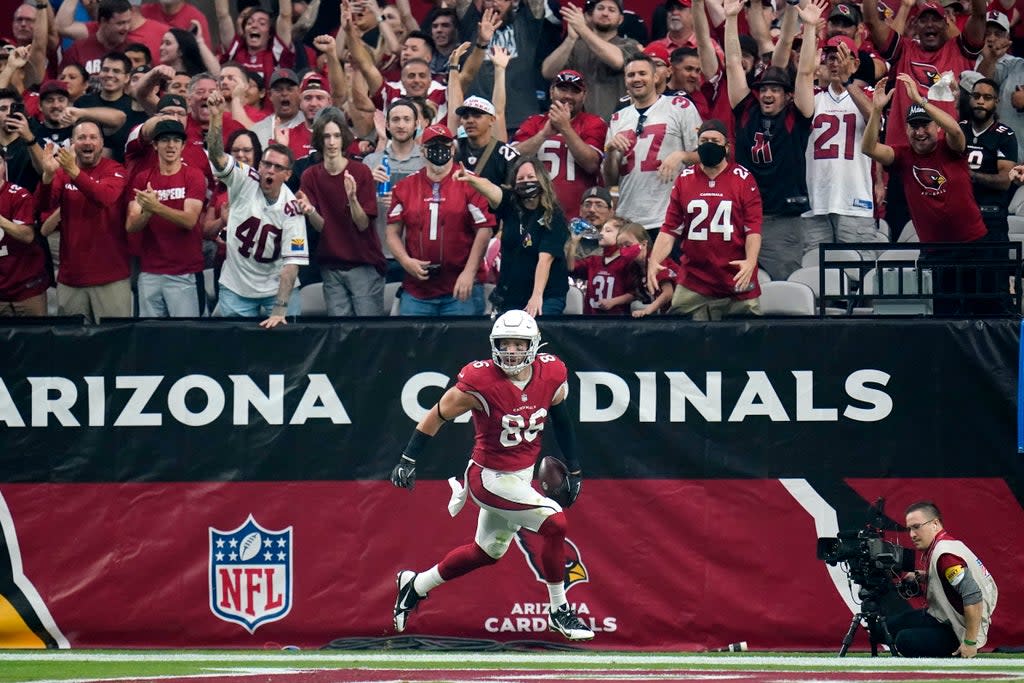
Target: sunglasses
{"x":640,"y":124}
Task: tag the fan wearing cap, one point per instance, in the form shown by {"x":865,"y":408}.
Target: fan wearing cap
{"x":593,"y":46}
{"x":165,"y":206}
{"x":258,"y":47}
{"x":715,"y":214}
{"x":926,"y":58}
{"x":23,"y":274}
{"x":314,"y":96}
{"x":481,"y":152}
{"x":679,"y":22}
{"x":266,"y":231}
{"x":846,"y":19}
{"x":81,"y":195}
{"x":935,"y":178}
{"x":772,"y":126}
{"x":438,"y":229}
{"x":567,"y":139}
{"x":284,"y":99}
{"x":647,"y":145}
{"x":839,"y":181}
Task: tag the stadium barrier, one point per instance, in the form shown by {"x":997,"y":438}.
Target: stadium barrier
{"x":214,"y":484}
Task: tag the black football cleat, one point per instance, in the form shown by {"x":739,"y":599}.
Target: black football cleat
{"x":407,"y":598}
{"x":564,"y":621}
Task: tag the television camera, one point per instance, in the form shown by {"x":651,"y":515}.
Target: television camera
{"x":876,"y":566}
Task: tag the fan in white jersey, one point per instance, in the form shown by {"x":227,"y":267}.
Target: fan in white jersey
{"x":266,"y":230}
{"x":648,"y":143}
{"x":839,"y":182}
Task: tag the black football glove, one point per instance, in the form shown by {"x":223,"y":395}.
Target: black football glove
{"x":575,"y":483}
{"x":404,"y":474}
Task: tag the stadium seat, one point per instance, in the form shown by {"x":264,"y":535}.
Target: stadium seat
{"x":909,"y":233}
{"x":836,"y":284}
{"x":391,"y":298}
{"x":210,"y":288}
{"x":488,"y":306}
{"x":573,"y":302}
{"x":313,"y":302}
{"x":786,"y":298}
{"x":1016,"y":224}
{"x":899,"y":255}
{"x":763,"y":277}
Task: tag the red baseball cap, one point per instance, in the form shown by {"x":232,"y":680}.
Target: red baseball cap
{"x":314,"y":81}
{"x":657,"y":51}
{"x":931,"y":6}
{"x":834,"y":42}
{"x":438,"y":130}
{"x":567,"y":78}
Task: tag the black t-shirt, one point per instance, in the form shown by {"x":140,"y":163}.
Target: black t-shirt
{"x":773,"y":149}
{"x":523,"y":238}
{"x":115,"y":141}
{"x":496,"y":168}
{"x":45,"y":134}
{"x":20,"y":170}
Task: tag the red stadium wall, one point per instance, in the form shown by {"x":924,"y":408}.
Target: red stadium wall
{"x":690,"y":533}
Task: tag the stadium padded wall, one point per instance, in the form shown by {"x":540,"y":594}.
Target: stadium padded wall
{"x":215,"y":484}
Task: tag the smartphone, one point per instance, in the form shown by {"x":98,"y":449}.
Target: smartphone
{"x":16,"y":108}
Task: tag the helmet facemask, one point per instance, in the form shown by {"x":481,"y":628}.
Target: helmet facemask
{"x":520,"y":326}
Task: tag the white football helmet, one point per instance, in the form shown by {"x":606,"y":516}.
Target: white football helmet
{"x":514,"y":325}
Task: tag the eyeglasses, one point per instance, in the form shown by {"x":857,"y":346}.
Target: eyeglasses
{"x":917,"y":527}
{"x":277,"y":167}
{"x":640,"y":124}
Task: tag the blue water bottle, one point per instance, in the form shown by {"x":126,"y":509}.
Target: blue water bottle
{"x":384,"y":187}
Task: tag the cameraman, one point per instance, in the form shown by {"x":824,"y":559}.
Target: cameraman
{"x":960,"y":593}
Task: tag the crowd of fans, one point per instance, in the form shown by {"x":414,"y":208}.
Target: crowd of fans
{"x":655,"y":162}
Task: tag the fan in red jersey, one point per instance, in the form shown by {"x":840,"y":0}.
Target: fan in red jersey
{"x":23,"y":275}
{"x":715,"y":209}
{"x":512,"y":397}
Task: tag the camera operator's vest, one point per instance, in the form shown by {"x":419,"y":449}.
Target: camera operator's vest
{"x":940,"y":607}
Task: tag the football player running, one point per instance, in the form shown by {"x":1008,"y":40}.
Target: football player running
{"x":512,"y":397}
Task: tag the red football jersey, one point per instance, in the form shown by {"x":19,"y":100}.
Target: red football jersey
{"x":936,"y":186}
{"x":713,"y":218}
{"x":440,"y":221}
{"x":508,"y":429}
{"x":23,"y":271}
{"x":264,"y":61}
{"x":569,"y":180}
{"x":93,"y":241}
{"x":608,"y":276}
{"x":167,"y":249}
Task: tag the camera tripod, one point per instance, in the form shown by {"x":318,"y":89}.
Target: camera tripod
{"x":875,"y":625}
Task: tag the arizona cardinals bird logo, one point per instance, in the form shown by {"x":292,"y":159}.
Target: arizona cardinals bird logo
{"x":575,"y":571}
{"x":925,"y":74}
{"x":929,"y":178}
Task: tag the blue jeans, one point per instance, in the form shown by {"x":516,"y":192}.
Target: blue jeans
{"x":553,"y":305}
{"x":443,"y":305}
{"x":235,"y":305}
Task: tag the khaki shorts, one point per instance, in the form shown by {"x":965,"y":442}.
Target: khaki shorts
{"x":112,"y":300}
{"x":702,"y":308}
{"x":32,"y":306}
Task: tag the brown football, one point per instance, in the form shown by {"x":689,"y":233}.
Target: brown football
{"x":553,"y":477}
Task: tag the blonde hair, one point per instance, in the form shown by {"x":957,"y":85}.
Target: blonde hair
{"x":638,"y":231}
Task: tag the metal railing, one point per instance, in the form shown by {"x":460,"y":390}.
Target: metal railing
{"x":972,"y":279}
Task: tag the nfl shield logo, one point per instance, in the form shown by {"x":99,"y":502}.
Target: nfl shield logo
{"x":251,"y":574}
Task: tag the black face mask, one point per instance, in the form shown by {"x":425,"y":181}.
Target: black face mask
{"x":528,"y":189}
{"x":438,"y":155}
{"x":710,"y":153}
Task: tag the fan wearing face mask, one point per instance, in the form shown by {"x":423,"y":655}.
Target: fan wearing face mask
{"x":534,"y":276}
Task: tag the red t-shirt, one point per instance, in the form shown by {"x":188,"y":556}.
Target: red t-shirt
{"x":569,"y":180}
{"x":509,"y":427}
{"x":441,"y":221}
{"x":167,"y":248}
{"x":608,"y":275}
{"x":183,"y":19}
{"x":93,"y":241}
{"x":86,"y":52}
{"x":300,"y":140}
{"x":907,"y":56}
{"x":713,"y":219}
{"x":23,"y":271}
{"x":342,"y":244}
{"x":939,"y":195}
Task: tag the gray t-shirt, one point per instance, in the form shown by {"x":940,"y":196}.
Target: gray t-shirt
{"x":400,"y":168}
{"x":605,"y":85}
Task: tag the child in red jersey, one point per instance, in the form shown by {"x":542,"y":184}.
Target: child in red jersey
{"x":635,"y":234}
{"x":608,"y":274}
